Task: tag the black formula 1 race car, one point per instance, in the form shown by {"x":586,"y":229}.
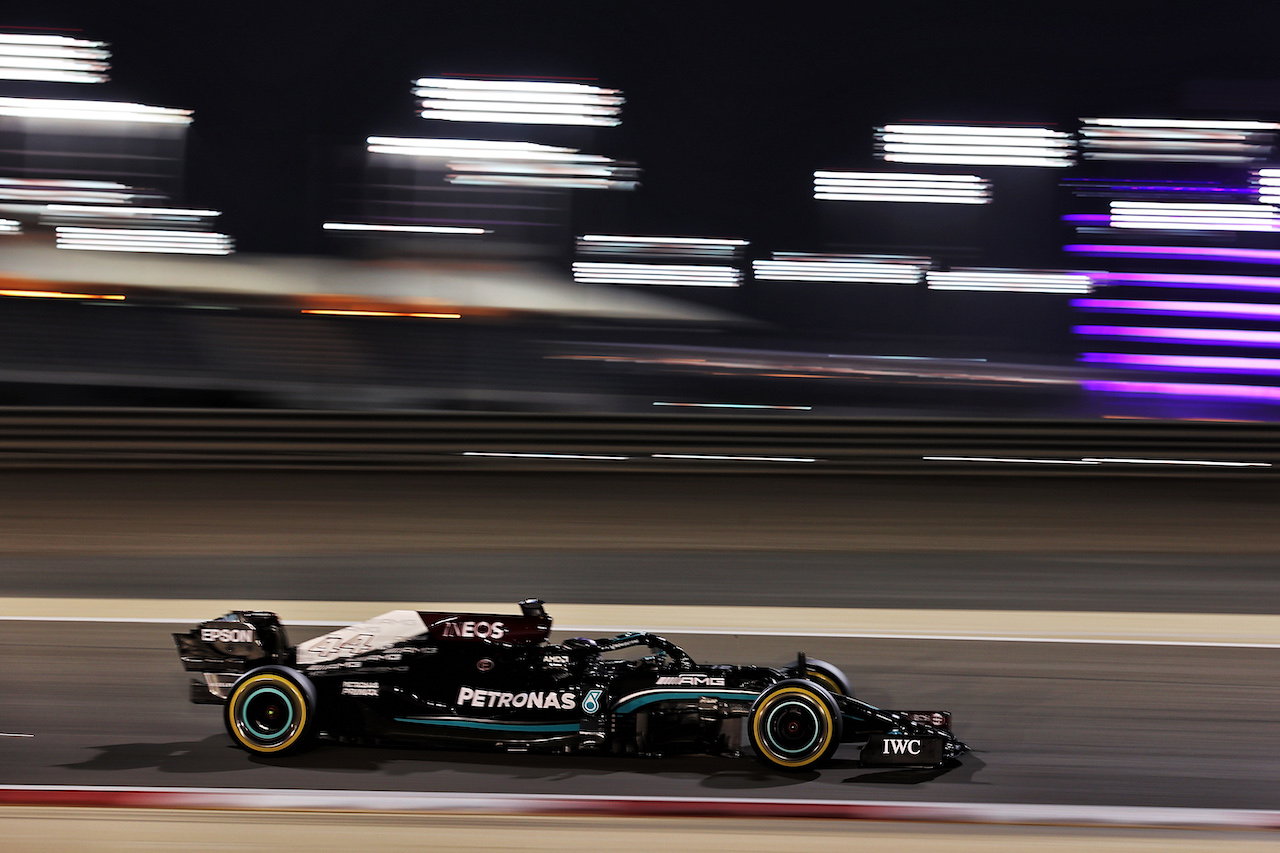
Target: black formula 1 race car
{"x":492,"y":681}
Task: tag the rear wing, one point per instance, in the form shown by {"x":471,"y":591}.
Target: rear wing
{"x":222,"y":649}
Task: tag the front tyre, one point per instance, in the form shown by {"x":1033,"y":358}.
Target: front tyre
{"x":795,"y":725}
{"x":271,"y":711}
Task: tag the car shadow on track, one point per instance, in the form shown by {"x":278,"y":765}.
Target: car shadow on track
{"x":954,"y":769}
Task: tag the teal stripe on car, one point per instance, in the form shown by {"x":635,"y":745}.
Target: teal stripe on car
{"x":649,"y":698}
{"x":491,"y":727}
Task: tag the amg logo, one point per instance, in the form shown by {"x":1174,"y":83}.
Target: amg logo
{"x":692,"y":679}
{"x":359,"y":688}
{"x":475,"y":630}
{"x":497,"y":699}
{"x":901,"y":746}
{"x":226,"y":635}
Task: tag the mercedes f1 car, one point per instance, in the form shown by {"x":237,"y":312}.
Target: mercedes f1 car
{"x":492,"y":681}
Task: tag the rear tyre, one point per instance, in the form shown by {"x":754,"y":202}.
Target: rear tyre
{"x":795,"y":725}
{"x":828,"y":675}
{"x":271,"y":711}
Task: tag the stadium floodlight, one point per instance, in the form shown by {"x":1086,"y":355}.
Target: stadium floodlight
{"x":974,"y":146}
{"x":683,"y":275}
{"x":1177,"y":140}
{"x":518,"y":102}
{"x":143,"y":240}
{"x":53,"y":59}
{"x":483,"y":162}
{"x":1010,"y":281}
{"x":901,"y":186}
{"x":403,"y":229}
{"x":633,"y":245}
{"x":1178,"y":216}
{"x":43,"y":108}
{"x":863,"y":269}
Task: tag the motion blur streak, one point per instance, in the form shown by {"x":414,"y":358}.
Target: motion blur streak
{"x":900,"y":186}
{"x":965,"y":145}
{"x":1187,"y":363}
{"x":143,"y":240}
{"x":1166,"y":307}
{"x":352,"y":312}
{"x":56,"y":294}
{"x":1190,"y":253}
{"x":868,"y":269}
{"x":412,"y":229}
{"x":1176,"y":140}
{"x":1191,"y":280}
{"x":518,"y":102}
{"x":1223,"y":337}
{"x":1208,"y":462}
{"x":734,"y":458}
{"x":542,"y":455}
{"x":1174,"y":216}
{"x":586,"y":272}
{"x":1017,"y":459}
{"x":10,"y":226}
{"x":101,"y":211}
{"x":735,"y":406}
{"x":92,"y":111}
{"x":1011,"y":281}
{"x":54,"y":59}
{"x":1254,"y":393}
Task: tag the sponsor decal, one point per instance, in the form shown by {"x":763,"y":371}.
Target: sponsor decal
{"x":691,"y":679}
{"x":555,"y":660}
{"x":227,"y":635}
{"x":360,"y":688}
{"x":484,"y":664}
{"x":476,"y":698}
{"x":475,"y":630}
{"x":933,"y":718}
{"x":901,"y":746}
{"x":591,"y":703}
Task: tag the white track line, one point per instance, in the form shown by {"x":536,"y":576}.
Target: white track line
{"x":1203,"y":630}
{"x":272,"y":799}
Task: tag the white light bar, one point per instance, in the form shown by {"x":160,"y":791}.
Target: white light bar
{"x":867,"y":269}
{"x":1010,"y":281}
{"x":476,"y":162}
{"x":974,"y":146}
{"x":518,"y":102}
{"x":1178,"y":216}
{"x":92,"y":111}
{"x":406,"y":229}
{"x":10,"y":226}
{"x":1177,"y":140}
{"x":55,"y":59}
{"x":67,"y":211}
{"x":143,"y":240}
{"x":41,"y":190}
{"x":609,"y":244}
{"x":690,"y":275}
{"x":901,"y":186}
{"x":1268,"y":181}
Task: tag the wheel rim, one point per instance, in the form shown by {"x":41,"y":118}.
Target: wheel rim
{"x":268,"y":713}
{"x":793,"y":727}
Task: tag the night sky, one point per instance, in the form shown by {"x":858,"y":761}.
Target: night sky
{"x":728,"y":112}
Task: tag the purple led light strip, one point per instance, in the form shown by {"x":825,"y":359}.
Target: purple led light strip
{"x":1223,"y":337}
{"x":1190,"y":253}
{"x":1217,"y":310}
{"x":1187,"y":363}
{"x":1207,"y":282}
{"x":1253,"y":393}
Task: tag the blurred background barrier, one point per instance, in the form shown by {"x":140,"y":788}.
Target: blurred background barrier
{"x":175,"y":438}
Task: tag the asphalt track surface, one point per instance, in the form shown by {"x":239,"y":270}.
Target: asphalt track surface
{"x":1077,"y":724}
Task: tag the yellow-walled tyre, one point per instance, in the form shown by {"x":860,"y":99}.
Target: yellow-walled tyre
{"x":271,"y":711}
{"x":795,"y":725}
